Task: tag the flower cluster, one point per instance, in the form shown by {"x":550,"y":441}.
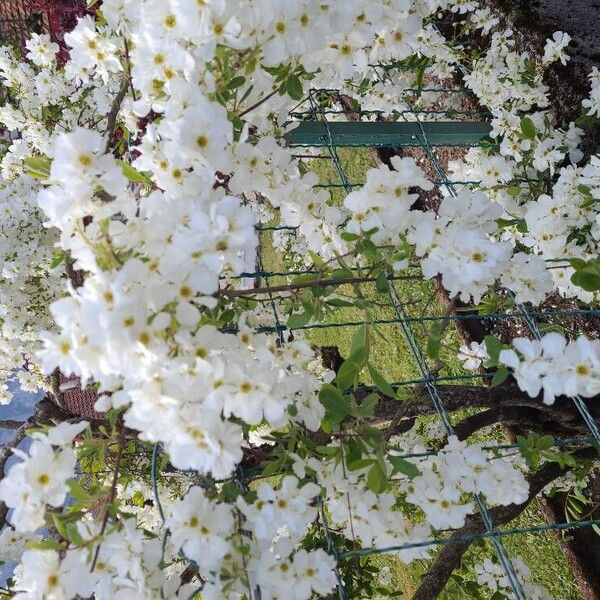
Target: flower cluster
{"x":383,"y":203}
{"x":439,"y":490}
{"x":493,"y":576}
{"x":557,"y":367}
{"x":40,"y":478}
{"x":207,"y":532}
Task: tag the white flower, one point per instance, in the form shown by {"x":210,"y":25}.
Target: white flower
{"x":473,"y":355}
{"x":201,"y":529}
{"x":555,"y":48}
{"x":529,"y":278}
{"x":289,"y":507}
{"x":43,"y":575}
{"x":41,"y":50}
{"x":39,"y":479}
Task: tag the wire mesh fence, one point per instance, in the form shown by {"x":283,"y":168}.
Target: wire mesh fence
{"x":20,"y":18}
{"x":410,"y":318}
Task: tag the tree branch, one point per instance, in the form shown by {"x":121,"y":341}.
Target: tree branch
{"x":532,"y":418}
{"x":114,"y":113}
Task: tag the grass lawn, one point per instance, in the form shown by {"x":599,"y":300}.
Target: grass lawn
{"x":394,"y":359}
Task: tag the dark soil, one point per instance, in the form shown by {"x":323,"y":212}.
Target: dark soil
{"x":536,"y":20}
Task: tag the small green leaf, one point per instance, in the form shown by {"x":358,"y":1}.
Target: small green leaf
{"x":58,"y":258}
{"x":359,"y":351}
{"x":360,"y":464}
{"x":528,"y":128}
{"x":493,"y":347}
{"x":339,"y":303}
{"x":377,"y":479}
{"x":434,"y":341}
{"x":44,"y":545}
{"x":367,"y":406}
{"x":380,"y":382}
{"x":293,"y":87}
{"x":587,"y":279}
{"x":317,"y":260}
{"x":513,"y":192}
{"x":337,"y":407}
{"x":60,"y":525}
{"x":298,"y":320}
{"x":235,"y":83}
{"x":403,"y":466}
{"x":347,"y":373}
{"x":38,"y":166}
{"x":134,"y":175}
{"x":500,"y":376}
{"x":382,"y":284}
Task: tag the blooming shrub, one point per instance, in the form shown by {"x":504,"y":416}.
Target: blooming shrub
{"x":130,"y":204}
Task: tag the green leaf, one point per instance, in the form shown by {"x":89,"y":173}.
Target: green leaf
{"x":493,"y":347}
{"x":235,"y":83}
{"x":44,"y":545}
{"x":380,"y":382}
{"x":58,"y":258}
{"x":360,"y":464}
{"x":587,"y":280}
{"x":337,"y":407}
{"x":347,"y":373}
{"x":38,"y":166}
{"x":500,"y":376}
{"x":513,"y":192}
{"x":339,"y":303}
{"x":528,"y":128}
{"x":403,"y":466}
{"x":434,"y":341}
{"x":134,"y":175}
{"x":77,"y":491}
{"x":330,"y":451}
{"x":73,"y":534}
{"x":298,"y":320}
{"x":367,"y":407}
{"x":317,"y":260}
{"x":382,"y":284}
{"x":377,"y":479}
{"x":545,"y":442}
{"x":293,"y":87}
{"x":578,"y":263}
{"x":359,"y":351}
{"x":60,"y":525}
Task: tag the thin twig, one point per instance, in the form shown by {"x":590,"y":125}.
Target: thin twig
{"x":111,"y":496}
{"x":308,"y":284}
{"x":259,"y":103}
{"x":133,"y":94}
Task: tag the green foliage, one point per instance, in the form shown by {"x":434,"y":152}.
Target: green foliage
{"x":38,"y":166}
{"x":528,"y":128}
{"x":536,"y":448}
{"x":587,"y":274}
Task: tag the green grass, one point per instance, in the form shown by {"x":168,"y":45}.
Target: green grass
{"x":392,"y":356}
